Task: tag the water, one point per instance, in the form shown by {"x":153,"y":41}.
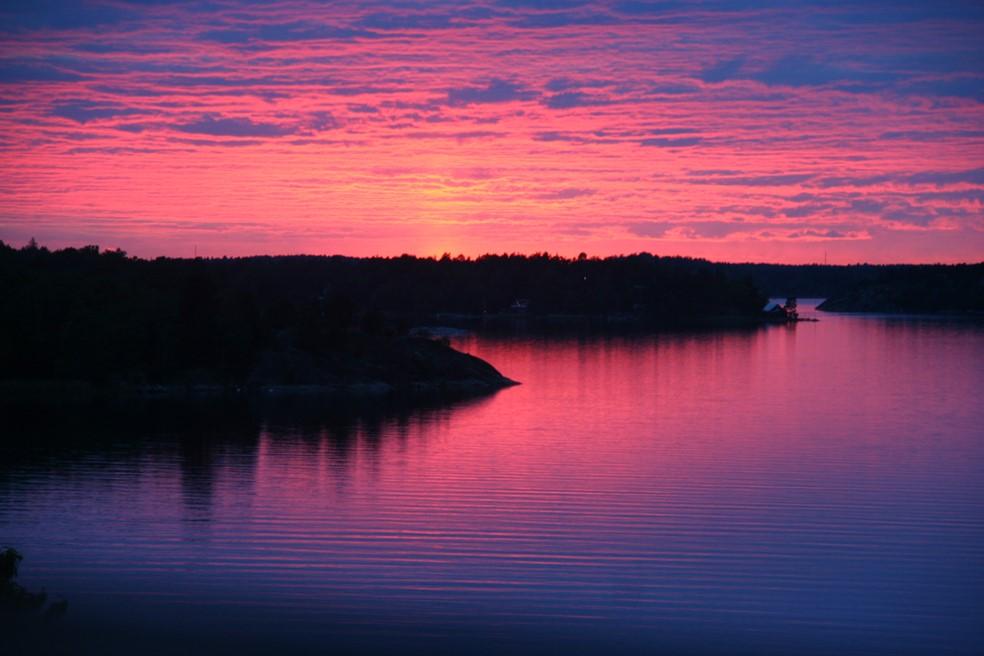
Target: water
{"x":814,"y":488}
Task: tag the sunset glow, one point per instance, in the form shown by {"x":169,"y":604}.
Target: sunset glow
{"x":728,"y":130}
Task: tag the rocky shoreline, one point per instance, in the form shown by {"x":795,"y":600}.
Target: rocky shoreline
{"x":408,"y":367}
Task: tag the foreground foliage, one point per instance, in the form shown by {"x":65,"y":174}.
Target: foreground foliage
{"x":14,"y":598}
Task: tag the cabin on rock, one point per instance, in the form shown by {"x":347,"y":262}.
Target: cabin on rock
{"x":781,"y":313}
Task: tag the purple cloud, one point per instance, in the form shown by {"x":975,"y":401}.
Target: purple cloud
{"x":667,"y":142}
{"x":232,"y":127}
{"x":496,"y":91}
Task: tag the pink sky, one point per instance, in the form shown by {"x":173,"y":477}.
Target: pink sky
{"x":781,"y":132}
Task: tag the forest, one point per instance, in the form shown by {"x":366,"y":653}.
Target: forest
{"x":956,"y":287}
{"x":103,"y":316}
{"x":86,"y":314}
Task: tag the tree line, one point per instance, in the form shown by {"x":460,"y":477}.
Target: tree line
{"x":83,"y":313}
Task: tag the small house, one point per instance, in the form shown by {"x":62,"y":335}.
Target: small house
{"x":775,"y":312}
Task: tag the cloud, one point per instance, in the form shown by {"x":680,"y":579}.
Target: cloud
{"x":667,"y":142}
{"x":673,"y":88}
{"x":320,"y":121}
{"x":757,"y":180}
{"x":543,"y":4}
{"x":807,"y":209}
{"x":819,"y":234}
{"x":17,"y":71}
{"x":899,"y":210}
{"x":723,"y":230}
{"x":557,"y":136}
{"x":363,"y":90}
{"x":931,"y":135}
{"x":557,"y":20}
{"x":648,"y":228}
{"x":938,"y":178}
{"x":465,"y":135}
{"x":672,"y":131}
{"x":703,"y":172}
{"x":115,"y":47}
{"x":797,"y":70}
{"x":135,"y":128}
{"x":572,"y":99}
{"x":109,"y":150}
{"x":971,"y":87}
{"x":975,"y":196}
{"x":232,"y":127}
{"x":566,"y":194}
{"x":800,"y":70}
{"x":719,"y":229}
{"x":858,"y":181}
{"x":574,"y":137}
{"x":83,"y":111}
{"x":283,"y":32}
{"x":635,"y":7}
{"x":496,"y":91}
{"x":721,"y":71}
{"x":567,"y":83}
{"x":21,"y":15}
{"x":391,"y":21}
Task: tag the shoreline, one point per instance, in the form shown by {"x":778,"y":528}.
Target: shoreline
{"x":30,"y":391}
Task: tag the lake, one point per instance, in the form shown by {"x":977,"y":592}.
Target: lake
{"x":812,"y":488}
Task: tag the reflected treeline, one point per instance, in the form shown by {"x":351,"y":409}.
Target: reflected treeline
{"x":201,"y":436}
{"x":198,"y":461}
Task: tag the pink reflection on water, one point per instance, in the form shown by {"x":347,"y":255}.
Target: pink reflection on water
{"x":816,"y":484}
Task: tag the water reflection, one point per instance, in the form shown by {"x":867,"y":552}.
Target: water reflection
{"x":813,"y":489}
{"x":197,"y":463}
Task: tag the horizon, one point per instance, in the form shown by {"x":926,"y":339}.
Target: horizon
{"x":472,"y":258}
{"x":720,"y":130}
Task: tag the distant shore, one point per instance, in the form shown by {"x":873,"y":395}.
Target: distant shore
{"x":953,"y":290}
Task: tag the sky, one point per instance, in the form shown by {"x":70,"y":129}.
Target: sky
{"x":733,"y":130}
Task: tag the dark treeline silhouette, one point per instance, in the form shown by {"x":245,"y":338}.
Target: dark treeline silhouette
{"x":933,"y":289}
{"x":956,"y":286}
{"x":83,"y":314}
{"x":803,"y":280}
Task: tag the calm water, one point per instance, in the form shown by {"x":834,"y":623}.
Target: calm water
{"x":809,"y":489}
